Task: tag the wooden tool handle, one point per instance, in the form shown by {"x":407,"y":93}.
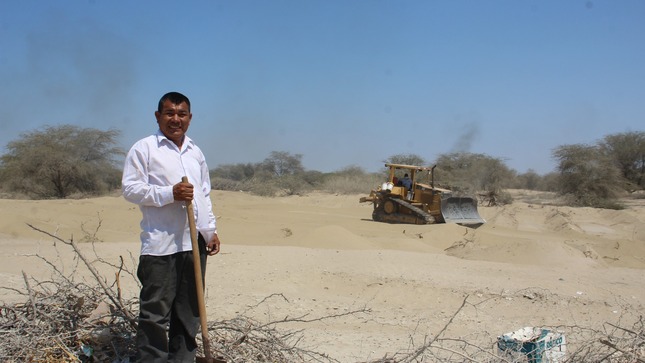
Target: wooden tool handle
{"x":199,"y":283}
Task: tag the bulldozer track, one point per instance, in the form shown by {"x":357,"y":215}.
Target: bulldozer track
{"x":418,"y":211}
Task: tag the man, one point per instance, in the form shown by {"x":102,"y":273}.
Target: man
{"x":154,"y":167}
{"x":406,"y":182}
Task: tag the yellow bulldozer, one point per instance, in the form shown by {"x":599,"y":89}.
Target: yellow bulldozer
{"x":410,"y":199}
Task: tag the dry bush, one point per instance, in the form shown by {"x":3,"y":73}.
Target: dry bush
{"x":218,"y":183}
{"x":352,"y":184}
{"x":65,"y":320}
{"x":277,"y":186}
{"x":492,"y":199}
{"x":588,"y":177}
{"x":627,"y":150}
{"x":468,"y":173}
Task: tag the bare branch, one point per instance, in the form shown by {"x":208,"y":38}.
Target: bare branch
{"x":31,"y":294}
{"x":95,"y":273}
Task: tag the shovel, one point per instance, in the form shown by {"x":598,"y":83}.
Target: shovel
{"x":199,"y":285}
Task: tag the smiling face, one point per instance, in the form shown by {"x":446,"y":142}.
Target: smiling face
{"x":174,"y":120}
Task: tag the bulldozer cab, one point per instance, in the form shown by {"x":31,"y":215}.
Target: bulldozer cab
{"x":406,"y":179}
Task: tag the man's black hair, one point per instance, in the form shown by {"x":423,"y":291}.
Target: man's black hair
{"x":175,"y":97}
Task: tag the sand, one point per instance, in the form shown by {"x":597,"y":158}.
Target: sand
{"x":391,"y":285}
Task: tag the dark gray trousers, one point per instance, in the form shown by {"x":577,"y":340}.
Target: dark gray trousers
{"x":168,"y":309}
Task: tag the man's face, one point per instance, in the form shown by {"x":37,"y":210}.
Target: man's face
{"x":173,"y":120}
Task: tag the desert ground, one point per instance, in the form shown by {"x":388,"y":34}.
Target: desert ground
{"x":363,"y":289}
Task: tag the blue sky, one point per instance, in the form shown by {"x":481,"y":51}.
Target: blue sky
{"x":340,"y":82}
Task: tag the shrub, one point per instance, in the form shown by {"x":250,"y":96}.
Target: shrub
{"x":60,"y":161}
{"x":588,"y":177}
{"x":468,"y":173}
{"x":351,"y":180}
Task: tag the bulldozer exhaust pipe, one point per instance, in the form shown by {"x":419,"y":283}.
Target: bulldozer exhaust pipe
{"x":432,"y":175}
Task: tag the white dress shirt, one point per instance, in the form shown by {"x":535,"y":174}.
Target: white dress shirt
{"x":153,"y":165}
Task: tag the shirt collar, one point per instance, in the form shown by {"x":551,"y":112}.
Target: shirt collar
{"x":161,"y":138}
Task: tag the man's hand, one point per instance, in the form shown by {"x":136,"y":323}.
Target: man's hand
{"x":212,"y":247}
{"x":182,"y":191}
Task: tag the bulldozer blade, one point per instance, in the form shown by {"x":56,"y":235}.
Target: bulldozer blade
{"x":460,"y":210}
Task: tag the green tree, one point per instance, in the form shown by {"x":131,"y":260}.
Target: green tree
{"x":529,"y":180}
{"x":588,"y":176}
{"x":281,"y":173}
{"x":236,"y":172}
{"x":59,"y":161}
{"x":550,"y":182}
{"x":406,"y":159}
{"x":470,"y":173}
{"x":627,"y":150}
{"x":280,"y":163}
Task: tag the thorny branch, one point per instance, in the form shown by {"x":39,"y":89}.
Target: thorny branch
{"x":426,"y":346}
{"x":131,"y":319}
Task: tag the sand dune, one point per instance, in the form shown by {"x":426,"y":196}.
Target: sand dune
{"x":530,"y":264}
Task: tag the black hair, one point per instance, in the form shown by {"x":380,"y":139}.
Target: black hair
{"x":175,"y":97}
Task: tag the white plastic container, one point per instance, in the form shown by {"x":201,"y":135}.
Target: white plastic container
{"x":538,"y":345}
